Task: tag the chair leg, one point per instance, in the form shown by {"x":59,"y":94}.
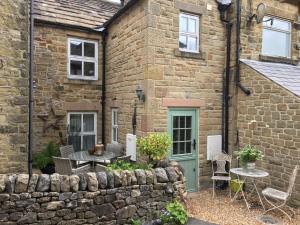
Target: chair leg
{"x":213,"y":188}
{"x":277,"y":207}
{"x":229,"y":190}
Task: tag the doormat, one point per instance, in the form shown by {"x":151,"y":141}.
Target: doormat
{"x":268,"y":220}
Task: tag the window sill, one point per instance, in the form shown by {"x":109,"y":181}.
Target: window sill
{"x":82,"y":81}
{"x":191,"y":55}
{"x":265,"y":58}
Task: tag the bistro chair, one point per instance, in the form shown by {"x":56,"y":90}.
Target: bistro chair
{"x":63,"y":166}
{"x":218,"y":163}
{"x":125,"y":158}
{"x":65,"y":151}
{"x":280,"y":198}
{"x":100,"y":168}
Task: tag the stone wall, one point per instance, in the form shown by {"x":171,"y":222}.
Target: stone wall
{"x":269,"y":119}
{"x":13,"y":85}
{"x":56,"y":95}
{"x":105,"y":198}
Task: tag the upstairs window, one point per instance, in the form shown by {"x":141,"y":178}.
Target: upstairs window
{"x":276,"y":40}
{"x":189,"y":33}
{"x":82,"y":59}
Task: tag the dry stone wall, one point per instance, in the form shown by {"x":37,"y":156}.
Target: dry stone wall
{"x":105,"y":198}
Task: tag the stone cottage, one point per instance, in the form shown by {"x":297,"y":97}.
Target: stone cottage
{"x":176,"y":53}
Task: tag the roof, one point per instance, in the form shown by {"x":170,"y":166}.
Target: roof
{"x":287,"y":76}
{"x":81,"y":13}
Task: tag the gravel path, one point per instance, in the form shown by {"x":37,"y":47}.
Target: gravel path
{"x":221,"y":210}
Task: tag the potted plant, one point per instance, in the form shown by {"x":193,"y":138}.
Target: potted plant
{"x":44,"y":161}
{"x":248,"y":156}
{"x":155,"y":146}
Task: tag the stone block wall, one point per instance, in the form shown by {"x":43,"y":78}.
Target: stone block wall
{"x":269,"y":119}
{"x":105,"y":198}
{"x":14,"y":37}
{"x":56,"y":95}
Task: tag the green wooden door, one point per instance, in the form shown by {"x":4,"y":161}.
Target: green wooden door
{"x":182,"y":127}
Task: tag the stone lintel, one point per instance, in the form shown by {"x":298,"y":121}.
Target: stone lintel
{"x":200,"y":10}
{"x":82,"y":106}
{"x":177,"y":102}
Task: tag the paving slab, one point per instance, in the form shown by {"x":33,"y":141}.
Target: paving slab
{"x":194,"y":221}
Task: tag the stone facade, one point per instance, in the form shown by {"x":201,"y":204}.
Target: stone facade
{"x":97,"y":198}
{"x":56,"y":94}
{"x":14,"y":37}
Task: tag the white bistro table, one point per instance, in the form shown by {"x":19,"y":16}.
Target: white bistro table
{"x":86,"y":157}
{"x":252,"y":175}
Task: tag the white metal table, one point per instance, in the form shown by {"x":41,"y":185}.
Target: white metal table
{"x":86,"y":157}
{"x":252,"y":175}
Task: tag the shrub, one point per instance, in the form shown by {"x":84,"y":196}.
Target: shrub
{"x":44,"y":158}
{"x":249,"y":154}
{"x":174,"y":214}
{"x":121,"y":165}
{"x":155,"y":146}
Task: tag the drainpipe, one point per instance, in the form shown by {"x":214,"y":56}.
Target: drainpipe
{"x":238,"y":47}
{"x":103,"y":98}
{"x":30,"y":97}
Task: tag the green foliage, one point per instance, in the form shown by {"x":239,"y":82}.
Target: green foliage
{"x":121,"y":165}
{"x":249,"y":154}
{"x":174,"y":214}
{"x":155,"y":146}
{"x":136,"y":222}
{"x":44,"y":158}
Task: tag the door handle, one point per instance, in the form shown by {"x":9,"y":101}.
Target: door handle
{"x":194,"y":144}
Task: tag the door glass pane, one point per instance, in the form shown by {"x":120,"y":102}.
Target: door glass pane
{"x":76,"y":67}
{"x":75,"y":140}
{"x":89,"y":69}
{"x":88,"y":123}
{"x":89,"y":50}
{"x":175,"y":135}
{"x":182,"y":121}
{"x":76,"y":48}
{"x":188,"y":122}
{"x":192,"y":26}
{"x":88,"y":142}
{"x":182,"y":41}
{"x":175,"y":148}
{"x":175,"y":122}
{"x":182,"y":135}
{"x":183,"y":24}
{"x":192,"y":43}
{"x":275,"y":43}
{"x":188,"y":133}
{"x":181,"y":148}
{"x":75,"y":123}
{"x":188,"y":147}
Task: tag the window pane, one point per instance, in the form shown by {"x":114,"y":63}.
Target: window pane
{"x":182,"y":41}
{"x":115,"y":134}
{"x":75,"y":140}
{"x":89,"y":69}
{"x":75,"y":123}
{"x":88,"y":123}
{"x":88,"y":142}
{"x":76,"y":48}
{"x":175,"y":148}
{"x":115,"y":118}
{"x":183,"y":24}
{"x":89,"y":49}
{"x":278,"y":24}
{"x":275,"y":43}
{"x":76,"y":67}
{"x":192,"y":43}
{"x":192,"y":26}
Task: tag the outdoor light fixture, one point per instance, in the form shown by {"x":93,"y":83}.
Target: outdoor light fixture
{"x":223,"y":5}
{"x":140,"y":93}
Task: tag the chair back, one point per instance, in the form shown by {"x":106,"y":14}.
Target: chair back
{"x":63,"y":166}
{"x":117,"y":149}
{"x":125,"y":158}
{"x":65,"y":151}
{"x":292,"y":180}
{"x":220,"y":160}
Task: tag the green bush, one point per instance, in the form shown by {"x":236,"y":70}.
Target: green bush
{"x":121,"y":165}
{"x":155,"y":146}
{"x":44,"y":158}
{"x":249,"y":154}
{"x":174,"y":214}
{"x":136,"y":222}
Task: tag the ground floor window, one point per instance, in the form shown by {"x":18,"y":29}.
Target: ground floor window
{"x":82,"y":127}
{"x":114,"y":122}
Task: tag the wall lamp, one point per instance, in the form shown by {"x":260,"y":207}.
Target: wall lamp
{"x":140,"y":93}
{"x":223,"y":5}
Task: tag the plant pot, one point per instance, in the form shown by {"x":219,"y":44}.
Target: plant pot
{"x":49,"y":169}
{"x":250,"y":165}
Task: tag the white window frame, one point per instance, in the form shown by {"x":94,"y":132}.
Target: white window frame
{"x":82,"y":59}
{"x":289,"y":49}
{"x":187,"y":34}
{"x":81,"y":133}
{"x":114,"y":126}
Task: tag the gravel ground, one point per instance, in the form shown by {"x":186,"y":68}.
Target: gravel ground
{"x":221,"y":210}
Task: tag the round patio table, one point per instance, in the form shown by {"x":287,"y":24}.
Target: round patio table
{"x":252,"y":175}
{"x":85,"y":156}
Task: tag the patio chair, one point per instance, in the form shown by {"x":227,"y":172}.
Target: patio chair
{"x":63,"y":166}
{"x":117,"y":149}
{"x":65,"y":151}
{"x":100,"y":168}
{"x":280,"y":198}
{"x":218,"y":163}
{"x":125,"y":158}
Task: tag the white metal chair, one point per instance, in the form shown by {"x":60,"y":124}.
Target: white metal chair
{"x":218,"y":163}
{"x":280,"y":198}
{"x":63,"y":166}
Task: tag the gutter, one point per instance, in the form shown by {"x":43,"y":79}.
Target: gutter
{"x":103,"y":97}
{"x":30,"y":95}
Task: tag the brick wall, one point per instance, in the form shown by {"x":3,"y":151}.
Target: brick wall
{"x":54,"y":89}
{"x":13,"y":85}
{"x":269,"y":119}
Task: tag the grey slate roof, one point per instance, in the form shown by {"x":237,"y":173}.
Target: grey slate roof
{"x":83,"y":13}
{"x":287,"y":76}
